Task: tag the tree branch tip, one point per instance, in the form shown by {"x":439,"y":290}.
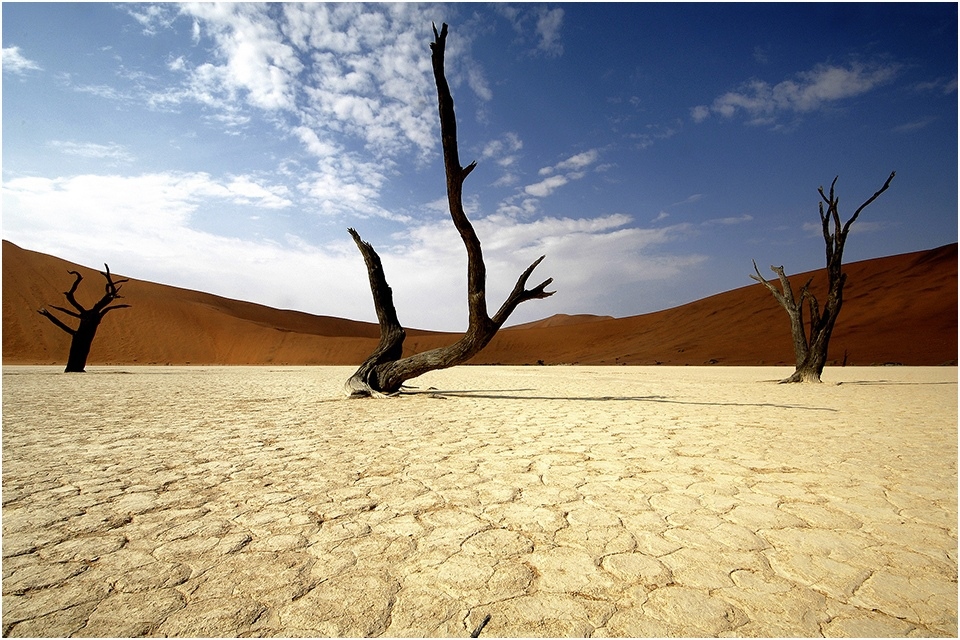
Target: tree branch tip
{"x":540,"y":291}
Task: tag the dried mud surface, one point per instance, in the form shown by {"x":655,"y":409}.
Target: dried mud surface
{"x":560,"y":501}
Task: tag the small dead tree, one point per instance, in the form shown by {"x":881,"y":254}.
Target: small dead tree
{"x":82,"y":336}
{"x":385,"y":370}
{"x":811,"y":352}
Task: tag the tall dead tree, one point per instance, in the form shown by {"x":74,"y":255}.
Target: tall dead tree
{"x":82,"y":336}
{"x":385,"y":370}
{"x":811,"y":351}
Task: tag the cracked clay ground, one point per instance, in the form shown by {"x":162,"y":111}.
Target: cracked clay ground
{"x":560,"y":501}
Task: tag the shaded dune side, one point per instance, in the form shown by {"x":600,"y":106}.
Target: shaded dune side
{"x":897,"y":309}
{"x":164,"y":324}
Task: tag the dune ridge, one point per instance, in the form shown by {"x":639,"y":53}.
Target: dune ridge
{"x":898,"y":309}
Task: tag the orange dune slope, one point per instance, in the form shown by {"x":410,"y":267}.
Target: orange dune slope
{"x":899,"y":309}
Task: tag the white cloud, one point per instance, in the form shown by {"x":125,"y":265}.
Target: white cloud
{"x":344,"y":185}
{"x":700,"y":113}
{"x":345,"y":80}
{"x":114,"y":205}
{"x":573,"y":163}
{"x":478,"y":82}
{"x":946,"y":86}
{"x":142,"y":226}
{"x":104,"y":91}
{"x":545,"y":187}
{"x":915,"y":125}
{"x":578,"y":161}
{"x":369,"y":74}
{"x":580,"y":253}
{"x":808,"y":91}
{"x":549,"y":23}
{"x":244,"y":190}
{"x":314,"y":145}
{"x":504,"y":152}
{"x":696,"y":197}
{"x":730,"y":220}
{"x":654,"y":133}
{"x":571,"y":169}
{"x":177,"y":64}
{"x":860,"y":226}
{"x":761,"y":55}
{"x":14,"y":62}
{"x":110,"y":151}
{"x":255,"y":59}
{"x":152,"y":17}
{"x":357,"y":71}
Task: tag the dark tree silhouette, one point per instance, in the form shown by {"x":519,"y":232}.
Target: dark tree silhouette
{"x":811,"y":352}
{"x":384,"y":371}
{"x":82,"y":336}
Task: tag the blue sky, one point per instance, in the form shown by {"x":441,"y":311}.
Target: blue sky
{"x":650,"y":151}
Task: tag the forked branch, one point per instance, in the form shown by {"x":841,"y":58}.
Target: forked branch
{"x":384,"y":371}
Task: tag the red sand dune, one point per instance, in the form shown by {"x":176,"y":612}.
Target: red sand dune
{"x":899,"y":309}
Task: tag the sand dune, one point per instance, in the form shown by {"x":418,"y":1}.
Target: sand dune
{"x":900,"y":309}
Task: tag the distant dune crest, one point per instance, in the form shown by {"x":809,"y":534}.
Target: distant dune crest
{"x":899,"y":309}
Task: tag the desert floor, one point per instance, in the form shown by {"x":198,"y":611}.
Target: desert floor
{"x":558,"y":501}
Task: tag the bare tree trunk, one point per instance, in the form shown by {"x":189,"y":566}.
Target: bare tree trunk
{"x":811,"y":354}
{"x":384,"y":371}
{"x":83,"y":335}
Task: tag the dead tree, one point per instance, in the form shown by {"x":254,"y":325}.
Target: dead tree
{"x":82,"y":336}
{"x":811,"y":351}
{"x":385,"y":370}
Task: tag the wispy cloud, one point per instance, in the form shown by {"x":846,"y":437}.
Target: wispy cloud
{"x":504,"y":152}
{"x":571,"y":168}
{"x":915,"y":125}
{"x":152,"y":17}
{"x":574,"y":163}
{"x":861,"y":226}
{"x":109,"y":151}
{"x":104,"y":91}
{"x":549,"y":24}
{"x":545,"y":187}
{"x":730,"y":220}
{"x":696,"y":197}
{"x":806,"y":92}
{"x":946,"y":86}
{"x":15,"y":62}
{"x":653,"y":133}
{"x":699,"y":113}
{"x":761,"y":55}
